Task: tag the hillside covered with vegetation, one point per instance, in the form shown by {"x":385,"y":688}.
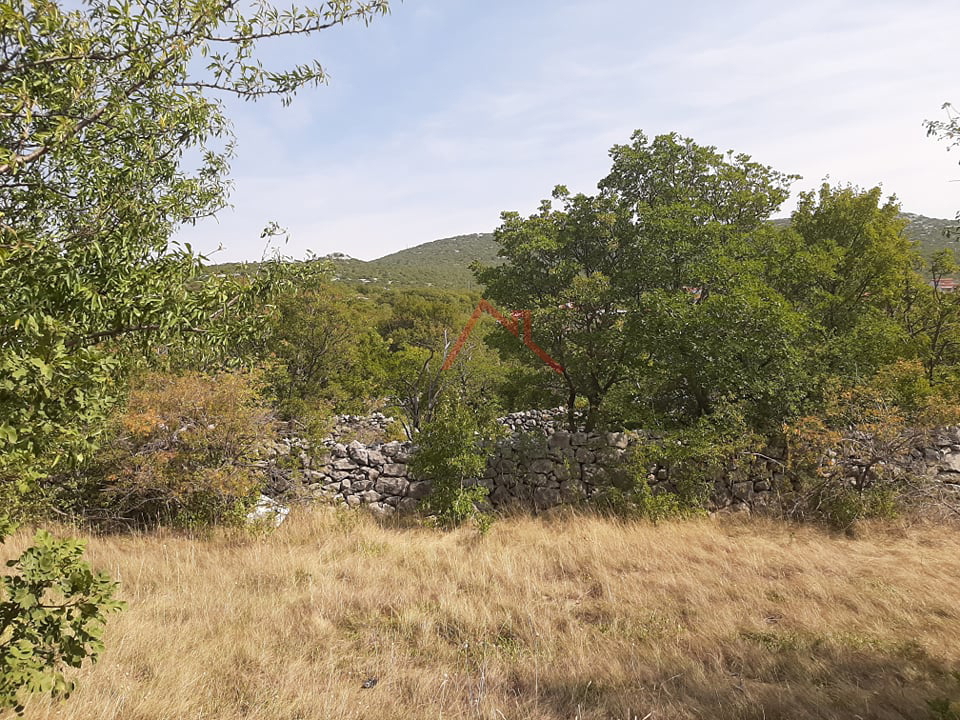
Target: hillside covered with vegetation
{"x":446,"y":263}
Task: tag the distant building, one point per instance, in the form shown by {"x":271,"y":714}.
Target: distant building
{"x":947,"y":285}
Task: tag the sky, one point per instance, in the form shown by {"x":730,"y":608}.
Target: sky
{"x":445,"y":113}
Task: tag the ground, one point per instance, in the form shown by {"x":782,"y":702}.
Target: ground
{"x":565,"y":617}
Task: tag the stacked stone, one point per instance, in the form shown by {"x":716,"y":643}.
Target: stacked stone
{"x":539,"y":466}
{"x":377,"y":476}
{"x":545,"y":421}
{"x":562,"y":467}
{"x":354,"y":425}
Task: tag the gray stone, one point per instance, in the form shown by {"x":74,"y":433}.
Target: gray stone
{"x":544,"y":498}
{"x":370,"y":496}
{"x":390,"y":449}
{"x":381,"y":511}
{"x":344,"y":464}
{"x":559,"y":439}
{"x":951,"y":462}
{"x":353,"y":500}
{"x":407,"y":505}
{"x":392,"y":485}
{"x":371,"y":474}
{"x":375,"y":458}
{"x":541,"y":467}
{"x":742,"y":490}
{"x":418,"y":490}
{"x":584,"y":455}
{"x":394,"y":470}
{"x":618,"y":440}
{"x":358,"y":452}
{"x":762,"y":486}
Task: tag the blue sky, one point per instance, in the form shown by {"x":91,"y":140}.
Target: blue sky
{"x":446,"y":112}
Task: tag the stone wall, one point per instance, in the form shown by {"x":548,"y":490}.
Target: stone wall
{"x":538,"y":466}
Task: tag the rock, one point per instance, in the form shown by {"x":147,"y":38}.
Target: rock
{"x":584,"y":455}
{"x":951,"y":462}
{"x":544,"y":498}
{"x":344,"y":465}
{"x":375,"y":458}
{"x":268,"y":511}
{"x":407,"y":505}
{"x":762,"y":486}
{"x":359,"y":486}
{"x":559,"y":439}
{"x":394,"y":470}
{"x":381,"y":511}
{"x":358,"y":452}
{"x":353,"y":501}
{"x":392,"y":485}
{"x":370,"y":496}
{"x":742,"y":490}
{"x":540,"y":466}
{"x":390,"y":449}
{"x":618,"y":440}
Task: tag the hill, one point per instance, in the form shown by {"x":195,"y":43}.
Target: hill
{"x":442,"y":263}
{"x":446,"y":263}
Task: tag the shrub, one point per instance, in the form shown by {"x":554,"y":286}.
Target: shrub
{"x":450,"y":454}
{"x":52,"y":611}
{"x":841,"y":463}
{"x":184,"y":451}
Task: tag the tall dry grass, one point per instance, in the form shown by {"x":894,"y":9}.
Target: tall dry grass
{"x":573,"y":617}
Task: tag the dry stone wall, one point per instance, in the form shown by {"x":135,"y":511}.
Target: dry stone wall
{"x":539,"y":465}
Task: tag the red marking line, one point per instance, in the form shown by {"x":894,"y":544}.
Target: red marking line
{"x":513,"y":325}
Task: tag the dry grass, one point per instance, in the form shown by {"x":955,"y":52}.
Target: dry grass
{"x":573,"y":617}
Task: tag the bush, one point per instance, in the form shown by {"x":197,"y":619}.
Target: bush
{"x":184,"y":452}
{"x":52,"y":612}
{"x":840,"y":463}
{"x":450,"y":454}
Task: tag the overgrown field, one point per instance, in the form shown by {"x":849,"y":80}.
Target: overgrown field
{"x":567,"y":617}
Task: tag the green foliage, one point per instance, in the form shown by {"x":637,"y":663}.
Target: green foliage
{"x":644,"y":284}
{"x":451,"y":455}
{"x":105,"y":107}
{"x":52,"y":613}
{"x":325,"y":351}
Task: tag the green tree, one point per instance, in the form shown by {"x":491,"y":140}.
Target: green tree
{"x":866,"y":262}
{"x":559,"y":267}
{"x":105,"y":108}
{"x":326,"y":347}
{"x":636,"y":290}
{"x":451,"y":454}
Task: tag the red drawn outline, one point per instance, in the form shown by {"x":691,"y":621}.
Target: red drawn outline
{"x":510,"y":324}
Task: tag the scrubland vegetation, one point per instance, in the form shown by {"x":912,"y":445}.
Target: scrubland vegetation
{"x":137,"y":387}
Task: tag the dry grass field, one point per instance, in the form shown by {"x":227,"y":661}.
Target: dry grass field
{"x":568,"y":617}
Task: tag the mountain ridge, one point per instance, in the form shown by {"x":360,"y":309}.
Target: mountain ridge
{"x":445,"y":263}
